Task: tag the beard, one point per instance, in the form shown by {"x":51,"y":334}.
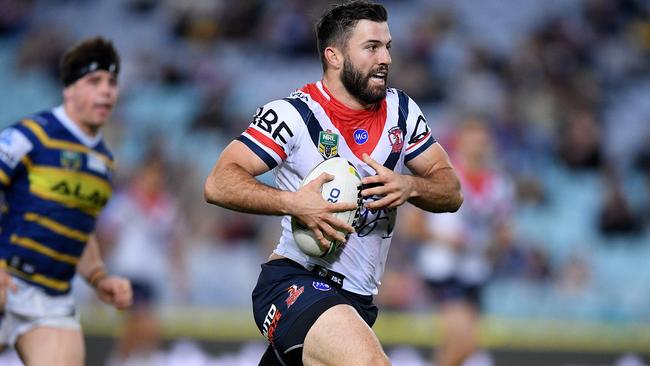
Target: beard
{"x":358,"y":85}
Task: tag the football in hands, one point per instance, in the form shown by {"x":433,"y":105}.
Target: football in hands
{"x":345,"y":187}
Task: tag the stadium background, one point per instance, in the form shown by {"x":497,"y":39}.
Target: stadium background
{"x":562,"y":85}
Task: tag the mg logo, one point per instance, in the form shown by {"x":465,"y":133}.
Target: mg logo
{"x":360,"y":136}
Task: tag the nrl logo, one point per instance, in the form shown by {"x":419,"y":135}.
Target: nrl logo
{"x":328,"y":144}
{"x":70,"y":160}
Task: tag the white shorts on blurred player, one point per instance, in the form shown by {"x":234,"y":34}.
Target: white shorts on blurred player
{"x":30,"y":307}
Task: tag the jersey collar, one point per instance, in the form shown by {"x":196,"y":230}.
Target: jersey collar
{"x":70,"y":125}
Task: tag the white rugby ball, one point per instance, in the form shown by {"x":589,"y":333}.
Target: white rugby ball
{"x":345,"y":187}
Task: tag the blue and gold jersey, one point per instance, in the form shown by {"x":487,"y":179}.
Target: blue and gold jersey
{"x":55,"y":181}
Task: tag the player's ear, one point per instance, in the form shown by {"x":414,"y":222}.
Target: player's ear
{"x":334,"y":58}
{"x":67,"y":93}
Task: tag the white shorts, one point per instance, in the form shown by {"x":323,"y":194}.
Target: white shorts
{"x":30,"y":307}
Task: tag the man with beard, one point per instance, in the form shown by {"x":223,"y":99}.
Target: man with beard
{"x":318,"y":311}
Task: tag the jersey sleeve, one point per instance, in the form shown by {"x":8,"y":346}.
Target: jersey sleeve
{"x":272,"y":134}
{"x":14,"y":145}
{"x":418,"y":133}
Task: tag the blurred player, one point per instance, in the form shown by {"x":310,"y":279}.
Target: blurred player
{"x":318,"y":311}
{"x":453,"y":259}
{"x":143,"y":221}
{"x":56,"y":175}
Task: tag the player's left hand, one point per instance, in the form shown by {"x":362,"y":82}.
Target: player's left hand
{"x":394,"y":188}
{"x":115,"y":291}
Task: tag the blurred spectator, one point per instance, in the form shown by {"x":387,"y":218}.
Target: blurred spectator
{"x":509,"y":259}
{"x":211,"y":114}
{"x":642,"y":165}
{"x":480,"y":90}
{"x":237,"y":18}
{"x":196,"y":20}
{"x":538,"y":265}
{"x":575,"y":277}
{"x":141,"y":7}
{"x":616,"y":215}
{"x":287,"y":29}
{"x":580,"y":141}
{"x":512,"y":258}
{"x":14,"y":16}
{"x":42,"y":49}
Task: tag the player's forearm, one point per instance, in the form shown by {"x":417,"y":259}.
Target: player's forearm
{"x":91,"y":266}
{"x":233,"y":188}
{"x":439,"y":192}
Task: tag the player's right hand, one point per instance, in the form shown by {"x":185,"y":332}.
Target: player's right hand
{"x":6,"y":282}
{"x":313,"y":211}
{"x":116,"y":291}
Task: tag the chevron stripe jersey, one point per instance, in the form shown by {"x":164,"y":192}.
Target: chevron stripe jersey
{"x":294,"y":134}
{"x":55,"y":180}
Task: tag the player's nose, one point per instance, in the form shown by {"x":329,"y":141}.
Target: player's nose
{"x":384,"y":57}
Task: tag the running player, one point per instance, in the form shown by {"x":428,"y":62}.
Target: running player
{"x":454,"y":258}
{"x":318,"y":311}
{"x":56,"y":172}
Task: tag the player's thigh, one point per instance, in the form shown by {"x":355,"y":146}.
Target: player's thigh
{"x":341,"y":337}
{"x":51,"y":346}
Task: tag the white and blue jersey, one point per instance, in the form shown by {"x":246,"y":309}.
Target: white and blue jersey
{"x":294,"y":134}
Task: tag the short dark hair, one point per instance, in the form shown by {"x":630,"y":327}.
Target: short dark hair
{"x":90,"y":55}
{"x":335,"y":26}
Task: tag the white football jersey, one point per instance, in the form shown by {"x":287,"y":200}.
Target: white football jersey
{"x":294,"y":134}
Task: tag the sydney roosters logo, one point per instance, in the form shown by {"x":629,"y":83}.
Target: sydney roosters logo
{"x":396,"y":138}
{"x":294,"y":293}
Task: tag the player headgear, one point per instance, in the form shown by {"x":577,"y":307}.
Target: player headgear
{"x":88,"y":56}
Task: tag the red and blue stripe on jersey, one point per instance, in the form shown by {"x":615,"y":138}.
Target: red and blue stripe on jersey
{"x":345,"y":120}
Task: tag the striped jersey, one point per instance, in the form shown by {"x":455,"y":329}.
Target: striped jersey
{"x":55,"y":180}
{"x":294,"y":134}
